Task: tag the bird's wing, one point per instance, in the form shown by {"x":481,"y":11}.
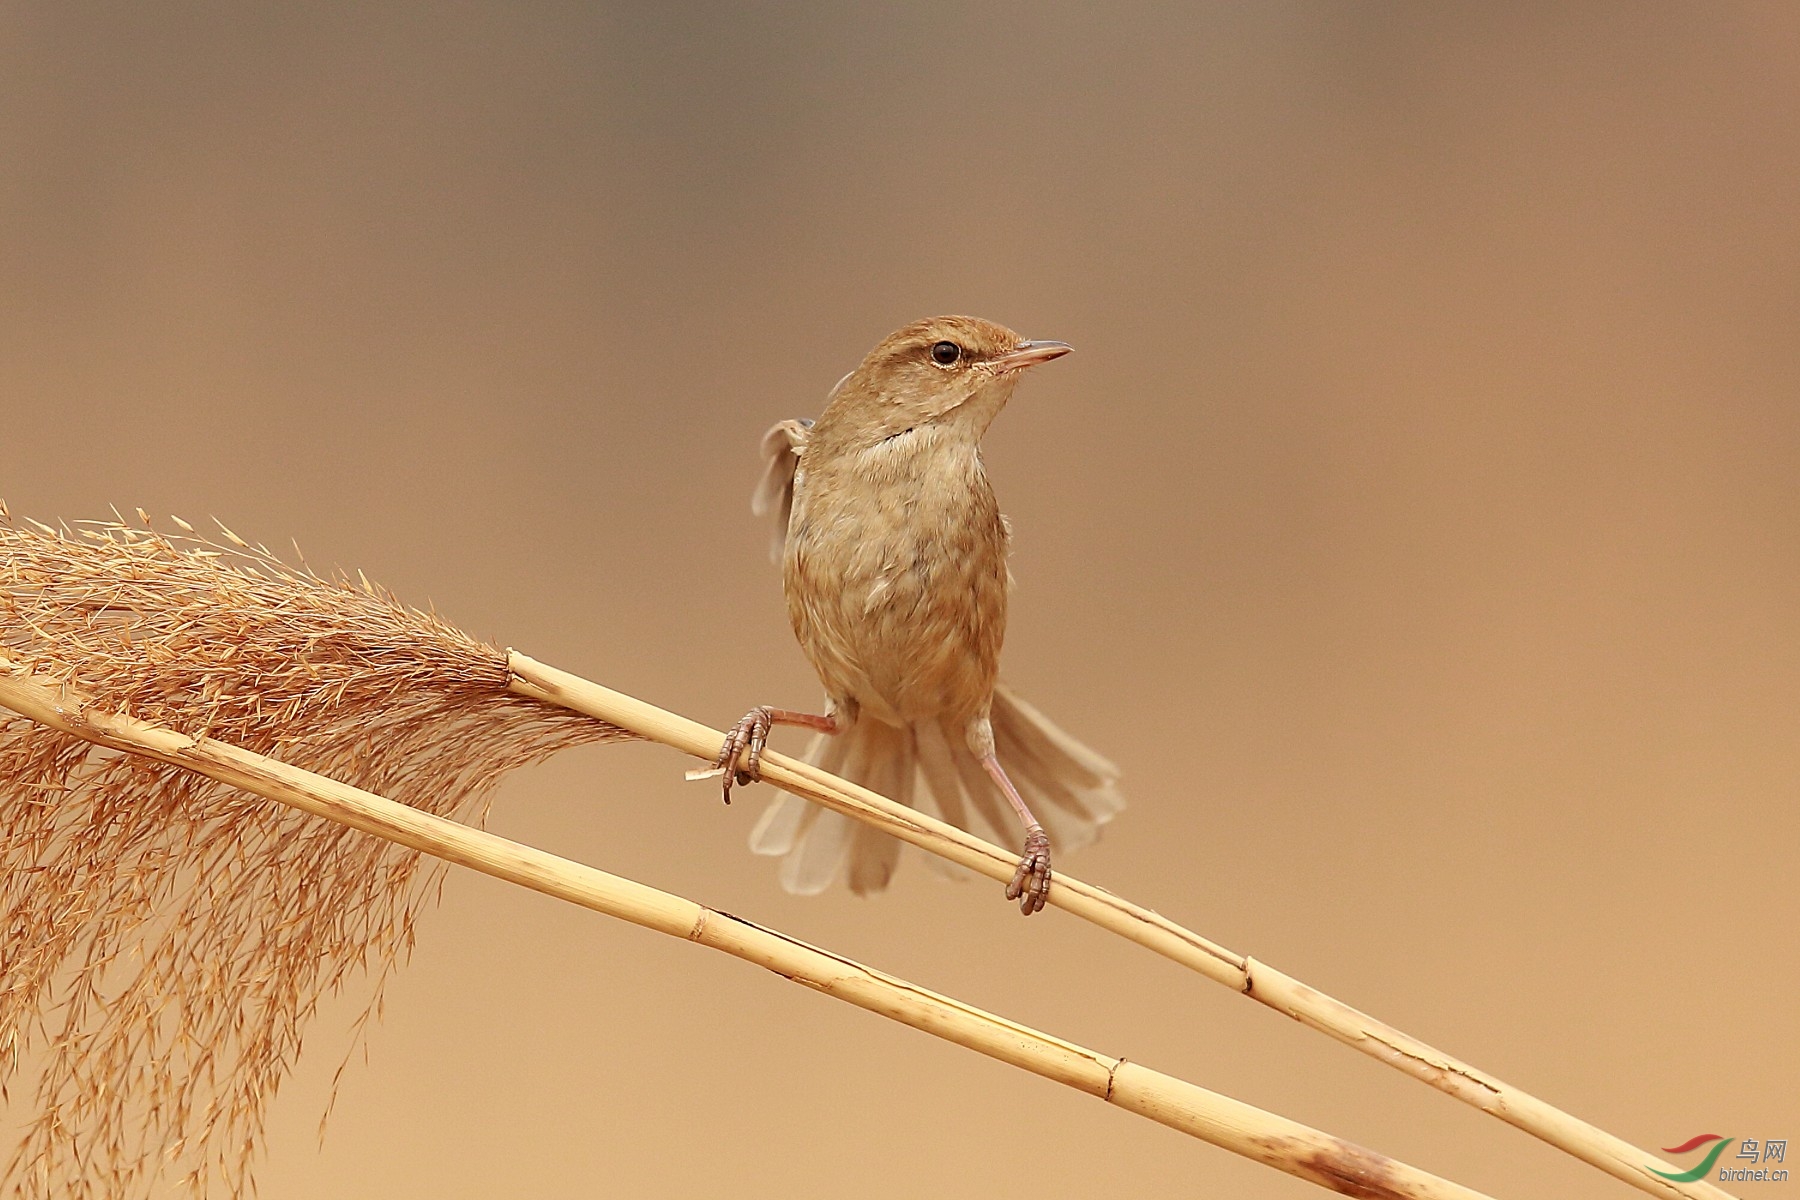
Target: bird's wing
{"x":774,"y":496}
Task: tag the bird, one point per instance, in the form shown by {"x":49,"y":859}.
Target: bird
{"x":893,"y":552}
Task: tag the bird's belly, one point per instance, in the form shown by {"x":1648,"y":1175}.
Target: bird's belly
{"x":903,"y":618}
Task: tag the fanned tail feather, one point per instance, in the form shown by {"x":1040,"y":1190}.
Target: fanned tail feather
{"x":1072,"y":790}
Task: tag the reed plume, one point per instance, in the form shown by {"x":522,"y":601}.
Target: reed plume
{"x":166,"y":936}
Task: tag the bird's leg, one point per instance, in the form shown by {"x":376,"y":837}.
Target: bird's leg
{"x":751,"y":734}
{"x":1030,"y":884}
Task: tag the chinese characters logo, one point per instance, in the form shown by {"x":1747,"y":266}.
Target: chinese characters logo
{"x":1750,"y":1151}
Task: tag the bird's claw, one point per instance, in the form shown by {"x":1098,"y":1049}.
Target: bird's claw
{"x":1030,"y":884}
{"x":750,"y":733}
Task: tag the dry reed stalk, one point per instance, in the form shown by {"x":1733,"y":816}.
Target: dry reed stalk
{"x":1233,"y":1125}
{"x":178,"y":612}
{"x":1147,"y":928}
{"x":164,"y":938}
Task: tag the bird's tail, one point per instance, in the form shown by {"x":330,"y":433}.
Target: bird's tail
{"x":1071,"y":789}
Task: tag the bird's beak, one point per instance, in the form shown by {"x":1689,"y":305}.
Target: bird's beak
{"x":1028,"y":354}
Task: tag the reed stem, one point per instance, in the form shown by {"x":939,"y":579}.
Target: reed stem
{"x":1229,"y":1124}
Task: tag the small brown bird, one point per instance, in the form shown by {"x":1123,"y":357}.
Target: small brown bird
{"x":893,"y":554}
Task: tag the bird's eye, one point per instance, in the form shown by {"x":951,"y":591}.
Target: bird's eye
{"x":945,"y":353}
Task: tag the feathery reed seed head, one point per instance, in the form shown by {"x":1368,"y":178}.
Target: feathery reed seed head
{"x":163,"y":937}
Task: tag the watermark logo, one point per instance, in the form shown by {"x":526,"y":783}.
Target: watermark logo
{"x":1751,"y":1150}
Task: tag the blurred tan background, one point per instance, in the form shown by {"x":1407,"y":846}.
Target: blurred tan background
{"x":1416,"y":525}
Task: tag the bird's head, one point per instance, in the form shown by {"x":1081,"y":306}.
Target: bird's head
{"x":953,"y":373}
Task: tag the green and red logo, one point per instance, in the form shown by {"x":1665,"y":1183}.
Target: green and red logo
{"x":1706,"y":1164}
{"x":1752,"y":1154}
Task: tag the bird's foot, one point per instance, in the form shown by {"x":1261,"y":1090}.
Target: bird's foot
{"x":1030,"y":884}
{"x":750,"y":733}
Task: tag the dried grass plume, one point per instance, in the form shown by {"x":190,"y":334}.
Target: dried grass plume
{"x":166,"y":937}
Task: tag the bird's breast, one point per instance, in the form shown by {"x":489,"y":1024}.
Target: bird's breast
{"x":895,"y":572}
